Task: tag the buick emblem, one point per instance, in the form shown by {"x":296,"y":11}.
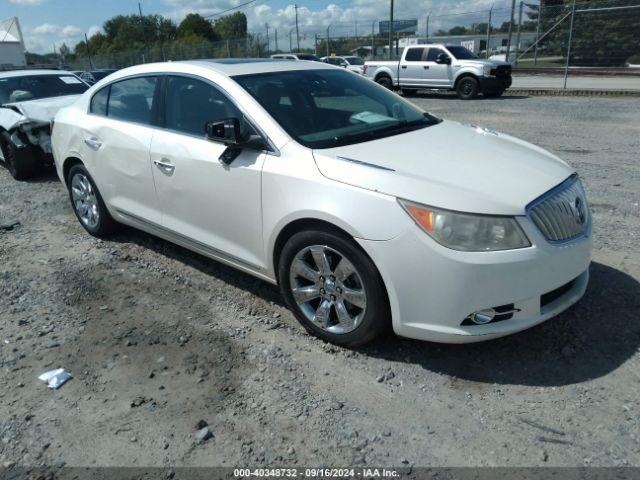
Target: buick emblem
{"x":579,"y":209}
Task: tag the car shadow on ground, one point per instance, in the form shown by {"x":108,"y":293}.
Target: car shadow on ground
{"x":47,"y":175}
{"x":588,"y":341}
{"x":210,"y":267}
{"x":436,"y":95}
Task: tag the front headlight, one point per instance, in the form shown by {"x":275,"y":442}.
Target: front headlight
{"x":467,"y":232}
{"x":488,"y":71}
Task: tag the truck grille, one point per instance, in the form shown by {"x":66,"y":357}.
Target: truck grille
{"x":561,"y":214}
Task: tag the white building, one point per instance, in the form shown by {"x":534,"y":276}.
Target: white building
{"x":11,"y":44}
{"x":475,"y":43}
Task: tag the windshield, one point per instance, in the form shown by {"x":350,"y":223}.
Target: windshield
{"x":302,"y":56}
{"x":354,"y":60}
{"x":462,"y":53}
{"x":33,"y":87}
{"x":330,"y":108}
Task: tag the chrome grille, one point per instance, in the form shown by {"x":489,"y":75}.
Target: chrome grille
{"x":562,"y":214}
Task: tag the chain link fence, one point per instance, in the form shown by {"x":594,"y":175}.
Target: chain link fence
{"x":589,"y":33}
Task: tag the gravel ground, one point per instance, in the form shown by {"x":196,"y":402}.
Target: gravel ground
{"x":163,"y":343}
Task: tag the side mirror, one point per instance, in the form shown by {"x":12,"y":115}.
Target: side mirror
{"x":226,"y":131}
{"x":443,"y":59}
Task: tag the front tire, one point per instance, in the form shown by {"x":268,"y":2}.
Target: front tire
{"x":333,"y":288}
{"x":21,"y":167}
{"x":87,"y":203}
{"x":467,"y":88}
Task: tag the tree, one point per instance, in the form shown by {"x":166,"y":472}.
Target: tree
{"x":198,"y":26}
{"x":231,"y":26}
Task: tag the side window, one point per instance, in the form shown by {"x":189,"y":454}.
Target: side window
{"x":99,"y":102}
{"x":414,"y":55}
{"x":131,"y":100}
{"x":433,"y":54}
{"x":191,"y":103}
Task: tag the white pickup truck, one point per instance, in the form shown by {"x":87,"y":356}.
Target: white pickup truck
{"x":437,"y":66}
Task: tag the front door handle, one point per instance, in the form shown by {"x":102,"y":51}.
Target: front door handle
{"x":403,"y":66}
{"x":165,"y":166}
{"x":92,"y":143}
{"x":426,"y":67}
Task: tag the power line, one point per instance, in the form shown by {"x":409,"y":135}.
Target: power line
{"x":230,"y":9}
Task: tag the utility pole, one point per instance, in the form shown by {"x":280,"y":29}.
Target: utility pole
{"x":266,"y":25}
{"x":489,"y":31}
{"x":535,"y":52}
{"x":86,"y":40}
{"x":315,"y":45}
{"x":290,"y":44}
{"x":356,"y":24}
{"x":513,"y":12}
{"x":276,"y":38}
{"x":297,"y":31}
{"x":566,"y":67}
{"x":144,"y":34}
{"x":391,"y":30}
{"x":515,"y":60}
{"x":328,"y":27}
{"x":427,"y":29}
{"x":373,"y":39}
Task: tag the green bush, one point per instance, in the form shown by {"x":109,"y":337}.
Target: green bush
{"x":634,"y":59}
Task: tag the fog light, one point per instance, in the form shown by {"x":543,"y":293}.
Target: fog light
{"x":483,"y":316}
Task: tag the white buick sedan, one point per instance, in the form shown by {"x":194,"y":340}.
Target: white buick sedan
{"x":367,"y":211}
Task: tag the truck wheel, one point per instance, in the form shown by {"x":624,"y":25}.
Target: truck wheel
{"x":467,"y":88}
{"x":385,"y":82}
{"x":21,"y":167}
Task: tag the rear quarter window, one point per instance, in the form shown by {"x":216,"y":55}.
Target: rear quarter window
{"x":99,"y":102}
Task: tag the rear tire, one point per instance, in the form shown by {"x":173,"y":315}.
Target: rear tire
{"x":87,"y":203}
{"x":333,"y":288}
{"x":385,"y":81}
{"x":467,"y":88}
{"x":407,"y":92}
{"x":21,"y":167}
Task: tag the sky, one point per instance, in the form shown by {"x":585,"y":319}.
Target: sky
{"x":46,"y":23}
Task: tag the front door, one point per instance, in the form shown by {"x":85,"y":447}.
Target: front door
{"x":203,"y":200}
{"x":440,"y":74}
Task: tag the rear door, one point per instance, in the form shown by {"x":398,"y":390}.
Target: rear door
{"x":116,"y":140}
{"x":413,"y":68}
{"x":440,"y":75}
{"x":214,"y":207}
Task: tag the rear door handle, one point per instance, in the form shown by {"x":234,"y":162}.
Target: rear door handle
{"x":403,"y":66}
{"x":93,"y":143}
{"x":165,"y":166}
{"x":426,"y":67}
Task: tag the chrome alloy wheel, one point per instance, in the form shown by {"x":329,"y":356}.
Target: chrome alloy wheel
{"x":328,"y":289}
{"x":84,"y":200}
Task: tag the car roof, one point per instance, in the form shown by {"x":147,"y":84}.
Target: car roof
{"x":24,"y":73}
{"x":227,"y":66}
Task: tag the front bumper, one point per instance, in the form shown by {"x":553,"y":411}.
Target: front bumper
{"x":495,"y":84}
{"x":433,"y":289}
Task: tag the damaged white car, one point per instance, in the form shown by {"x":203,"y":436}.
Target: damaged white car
{"x":29,"y":99}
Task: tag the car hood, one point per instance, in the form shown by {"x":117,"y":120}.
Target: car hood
{"x":42,"y":110}
{"x":449,"y":165}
